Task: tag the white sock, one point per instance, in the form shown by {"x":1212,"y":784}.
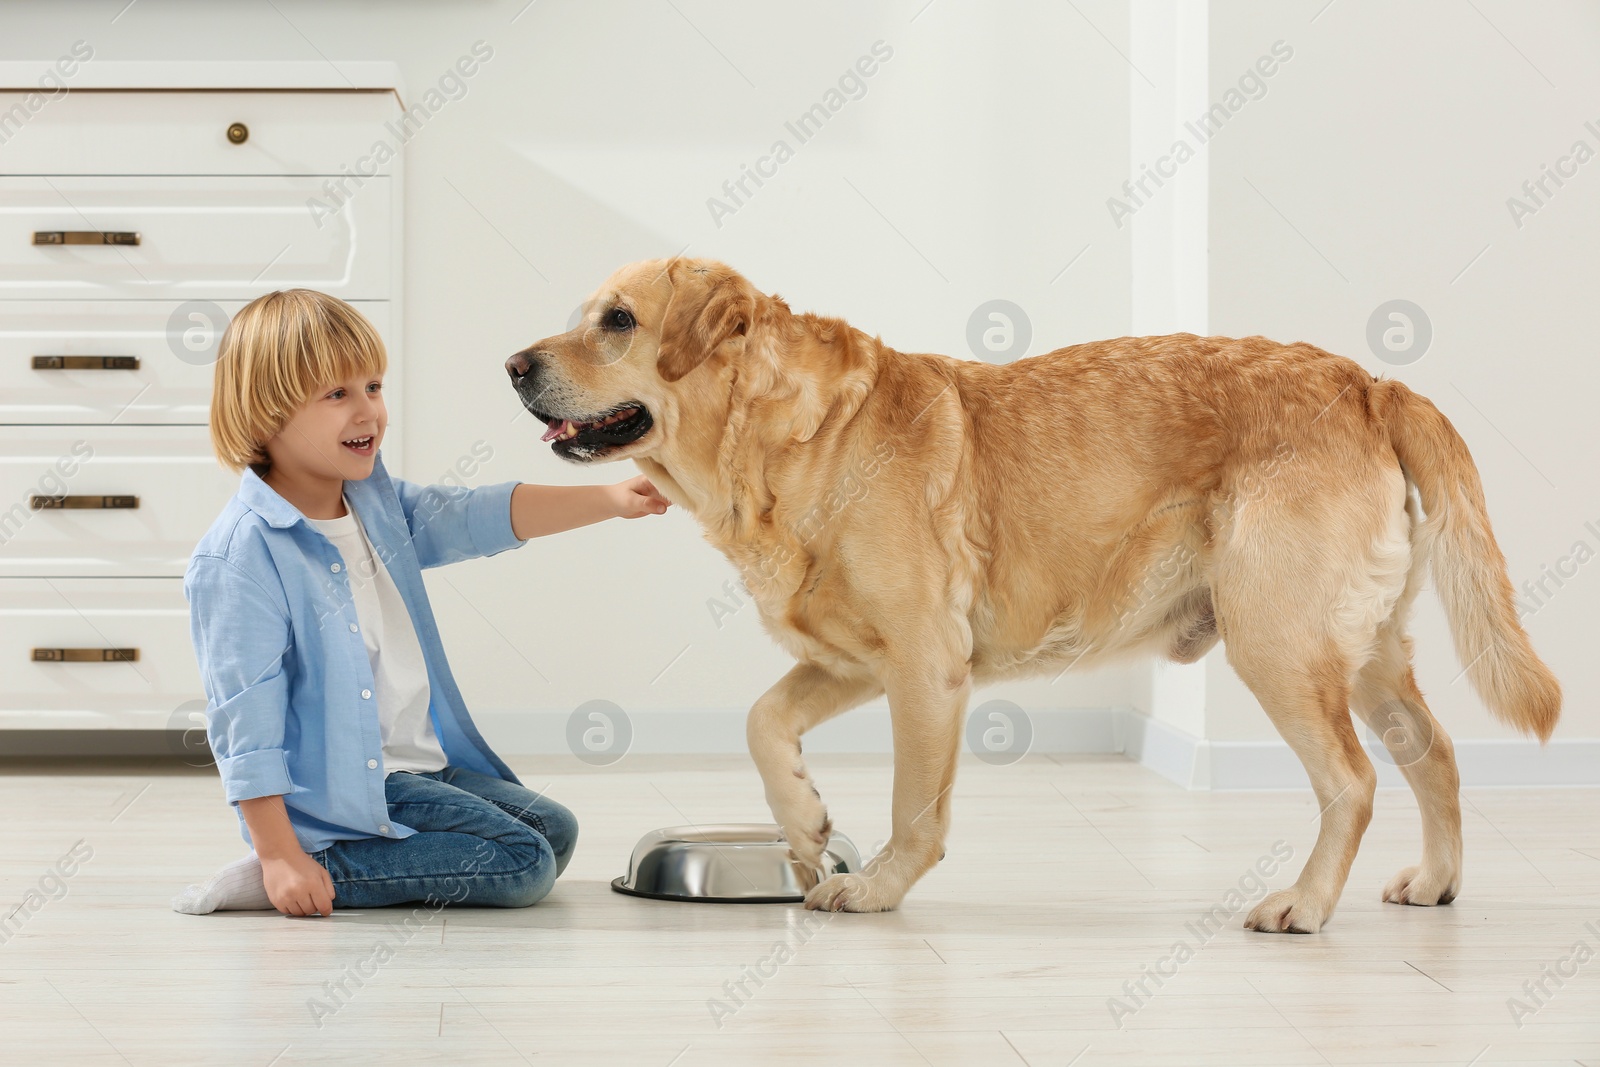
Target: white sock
{"x":237,"y":887}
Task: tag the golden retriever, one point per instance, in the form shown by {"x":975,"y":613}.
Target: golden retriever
{"x":913,"y":525}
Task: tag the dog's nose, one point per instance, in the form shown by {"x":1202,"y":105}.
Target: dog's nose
{"x":520,"y":364}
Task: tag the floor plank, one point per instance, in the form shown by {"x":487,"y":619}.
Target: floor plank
{"x":1066,"y":881}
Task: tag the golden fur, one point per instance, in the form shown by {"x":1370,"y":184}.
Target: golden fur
{"x":915,"y":525}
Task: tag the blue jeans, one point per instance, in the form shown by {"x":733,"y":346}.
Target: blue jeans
{"x":480,"y":841}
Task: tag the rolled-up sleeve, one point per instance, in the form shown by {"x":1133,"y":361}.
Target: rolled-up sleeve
{"x":450,"y":523}
{"x":241,"y":639}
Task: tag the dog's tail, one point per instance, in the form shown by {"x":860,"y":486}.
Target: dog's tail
{"x":1468,"y":567}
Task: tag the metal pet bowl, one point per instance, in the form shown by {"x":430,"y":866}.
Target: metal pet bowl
{"x":733,"y":863}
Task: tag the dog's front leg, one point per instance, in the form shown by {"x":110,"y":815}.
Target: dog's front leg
{"x":926,"y":702}
{"x":801,"y":699}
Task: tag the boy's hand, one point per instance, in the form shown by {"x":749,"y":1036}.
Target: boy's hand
{"x":298,"y":885}
{"x":636,"y":497}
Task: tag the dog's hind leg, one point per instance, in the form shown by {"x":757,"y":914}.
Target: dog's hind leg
{"x":1306,"y":575}
{"x":806,"y":696}
{"x":1301,"y":588}
{"x":1305,"y":694}
{"x":1386,"y":697}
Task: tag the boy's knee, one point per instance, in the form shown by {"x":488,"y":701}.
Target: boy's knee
{"x":534,"y":881}
{"x":561,"y":830}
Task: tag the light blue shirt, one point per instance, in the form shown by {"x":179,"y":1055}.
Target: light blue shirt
{"x":290,"y":701}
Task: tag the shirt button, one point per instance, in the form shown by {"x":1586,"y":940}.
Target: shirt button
{"x":372,"y":764}
{"x":383,"y":829}
{"x":334,"y":567}
{"x":366,"y":694}
{"x":353,"y":627}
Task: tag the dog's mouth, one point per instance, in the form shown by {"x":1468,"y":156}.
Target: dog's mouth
{"x":593,"y":437}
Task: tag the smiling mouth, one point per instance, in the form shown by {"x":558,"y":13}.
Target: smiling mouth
{"x":593,"y":437}
{"x":361,"y":446}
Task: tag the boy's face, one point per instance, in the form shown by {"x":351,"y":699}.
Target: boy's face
{"x":336,"y":434}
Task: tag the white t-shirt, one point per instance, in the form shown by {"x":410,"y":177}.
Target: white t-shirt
{"x":399,"y":672}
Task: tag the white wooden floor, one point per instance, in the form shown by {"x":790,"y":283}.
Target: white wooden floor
{"x":1064,"y":880}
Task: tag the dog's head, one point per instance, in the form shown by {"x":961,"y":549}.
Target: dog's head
{"x":619,"y":384}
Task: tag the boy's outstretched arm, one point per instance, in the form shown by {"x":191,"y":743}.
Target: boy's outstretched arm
{"x":537,"y":510}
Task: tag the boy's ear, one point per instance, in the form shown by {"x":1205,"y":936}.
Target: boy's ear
{"x":709,"y":306}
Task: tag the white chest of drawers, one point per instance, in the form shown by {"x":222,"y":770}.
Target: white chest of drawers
{"x":138,"y":211}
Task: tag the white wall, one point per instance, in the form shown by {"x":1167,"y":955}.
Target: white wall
{"x":1391,"y":142}
{"x":976,"y":166}
{"x":1165,"y":216}
{"x":973,"y":168}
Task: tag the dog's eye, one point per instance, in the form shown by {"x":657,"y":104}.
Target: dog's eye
{"x":618,"y":319}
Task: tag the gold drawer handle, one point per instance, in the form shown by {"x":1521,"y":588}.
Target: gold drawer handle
{"x":85,"y":655}
{"x":84,"y":237}
{"x":56,"y":503}
{"x":85,"y":362}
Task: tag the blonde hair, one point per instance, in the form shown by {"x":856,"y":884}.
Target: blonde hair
{"x":278,"y":350}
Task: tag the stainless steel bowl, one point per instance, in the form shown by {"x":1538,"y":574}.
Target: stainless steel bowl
{"x":734,"y":863}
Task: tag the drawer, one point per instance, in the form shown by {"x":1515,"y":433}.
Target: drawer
{"x":198,"y":238}
{"x":116,"y":132}
{"x":179,"y":486}
{"x":159,"y":370}
{"x":86,"y":617}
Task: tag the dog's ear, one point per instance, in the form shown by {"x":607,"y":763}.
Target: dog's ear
{"x":709,"y":306}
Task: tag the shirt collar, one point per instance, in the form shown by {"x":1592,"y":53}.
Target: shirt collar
{"x":264,"y":500}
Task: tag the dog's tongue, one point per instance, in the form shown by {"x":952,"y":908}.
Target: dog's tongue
{"x":557,"y":428}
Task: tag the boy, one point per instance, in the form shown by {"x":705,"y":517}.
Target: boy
{"x":359,"y":778}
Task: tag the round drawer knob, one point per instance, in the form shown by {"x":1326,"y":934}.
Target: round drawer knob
{"x":238,"y":133}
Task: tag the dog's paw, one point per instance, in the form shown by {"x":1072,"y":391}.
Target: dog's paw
{"x":852,"y":892}
{"x":1289,"y":911}
{"x":798,"y":809}
{"x":806,"y":847}
{"x":1422,"y":886}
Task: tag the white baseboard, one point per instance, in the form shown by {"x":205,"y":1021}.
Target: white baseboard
{"x":719,"y":731}
{"x":1197,"y":763}
{"x":1192,"y":762}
